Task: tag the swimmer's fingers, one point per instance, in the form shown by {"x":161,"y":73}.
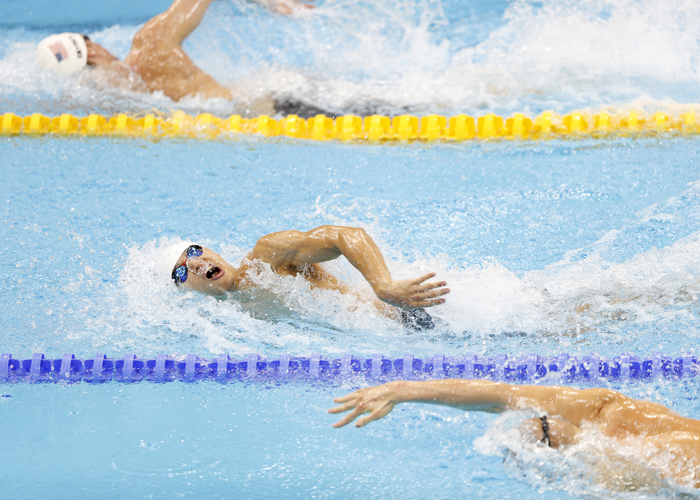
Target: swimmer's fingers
{"x":378,"y":413}
{"x":412,"y":293}
{"x":424,"y":287}
{"x":378,"y":401}
{"x":425,"y":294}
{"x":288,"y":7}
{"x":420,"y":280}
{"x":430,"y":294}
{"x":349,"y":397}
{"x":422,"y":304}
{"x":359,"y":410}
{"x":344,"y":407}
{"x":376,"y":408}
{"x":429,"y":298}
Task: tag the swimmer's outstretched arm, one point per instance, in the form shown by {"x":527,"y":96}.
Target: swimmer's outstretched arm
{"x":573,"y":405}
{"x":292,"y":250}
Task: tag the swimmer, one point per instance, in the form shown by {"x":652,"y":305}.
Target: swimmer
{"x":567,"y":414}
{"x":297,"y":253}
{"x":156,"y":61}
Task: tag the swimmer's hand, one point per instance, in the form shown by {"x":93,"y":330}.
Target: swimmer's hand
{"x":378,"y":401}
{"x":412,"y":292}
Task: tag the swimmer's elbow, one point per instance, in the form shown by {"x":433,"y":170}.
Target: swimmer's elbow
{"x":338,"y":235}
{"x":605,"y":396}
{"x":598,"y":399}
{"x":353,"y":234}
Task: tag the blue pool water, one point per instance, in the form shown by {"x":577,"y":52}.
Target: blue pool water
{"x":523,"y":243}
{"x":548,"y":247}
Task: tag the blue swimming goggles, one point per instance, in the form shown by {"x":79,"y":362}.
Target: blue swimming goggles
{"x":180,"y":272}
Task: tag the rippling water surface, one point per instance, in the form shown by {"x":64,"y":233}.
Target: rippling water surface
{"x":555,"y":246}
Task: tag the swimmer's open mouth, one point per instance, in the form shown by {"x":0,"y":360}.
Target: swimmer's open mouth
{"x":215,"y":273}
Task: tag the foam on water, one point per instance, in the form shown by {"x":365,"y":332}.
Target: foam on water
{"x":404,"y":55}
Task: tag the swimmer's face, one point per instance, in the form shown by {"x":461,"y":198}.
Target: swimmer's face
{"x":207,"y":273}
{"x":97,"y":54}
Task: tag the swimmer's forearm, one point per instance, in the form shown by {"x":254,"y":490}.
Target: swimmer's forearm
{"x":364,"y":254}
{"x":483,"y":395}
{"x":181,"y":19}
{"x":468,"y":395}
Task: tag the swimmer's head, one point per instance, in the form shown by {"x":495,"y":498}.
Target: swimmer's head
{"x":68,"y":53}
{"x":64,"y":53}
{"x":197,"y":268}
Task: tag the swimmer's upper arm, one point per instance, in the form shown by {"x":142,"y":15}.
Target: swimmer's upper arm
{"x":297,"y":248}
{"x":574,"y":405}
{"x":586,"y":405}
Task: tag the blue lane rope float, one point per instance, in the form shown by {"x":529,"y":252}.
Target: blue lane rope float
{"x":562,"y":368}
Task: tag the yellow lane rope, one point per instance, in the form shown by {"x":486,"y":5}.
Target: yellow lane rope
{"x":355,"y":128}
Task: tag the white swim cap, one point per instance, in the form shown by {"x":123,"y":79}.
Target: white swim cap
{"x":167,"y":257}
{"x":64,"y":53}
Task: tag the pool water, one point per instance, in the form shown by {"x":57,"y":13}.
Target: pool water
{"x":525,"y":234}
{"x":572,"y":246}
{"x":576,"y":246}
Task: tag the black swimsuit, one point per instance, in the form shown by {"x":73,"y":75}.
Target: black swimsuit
{"x":416,"y":319}
{"x":545,"y":431}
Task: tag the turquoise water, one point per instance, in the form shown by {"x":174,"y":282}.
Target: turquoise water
{"x":548,"y":247}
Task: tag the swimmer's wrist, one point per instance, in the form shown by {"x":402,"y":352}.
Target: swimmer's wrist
{"x":381,"y":287}
{"x":403,"y":391}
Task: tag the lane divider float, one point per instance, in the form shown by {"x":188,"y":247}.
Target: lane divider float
{"x":373,"y":128}
{"x":530,"y":368}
